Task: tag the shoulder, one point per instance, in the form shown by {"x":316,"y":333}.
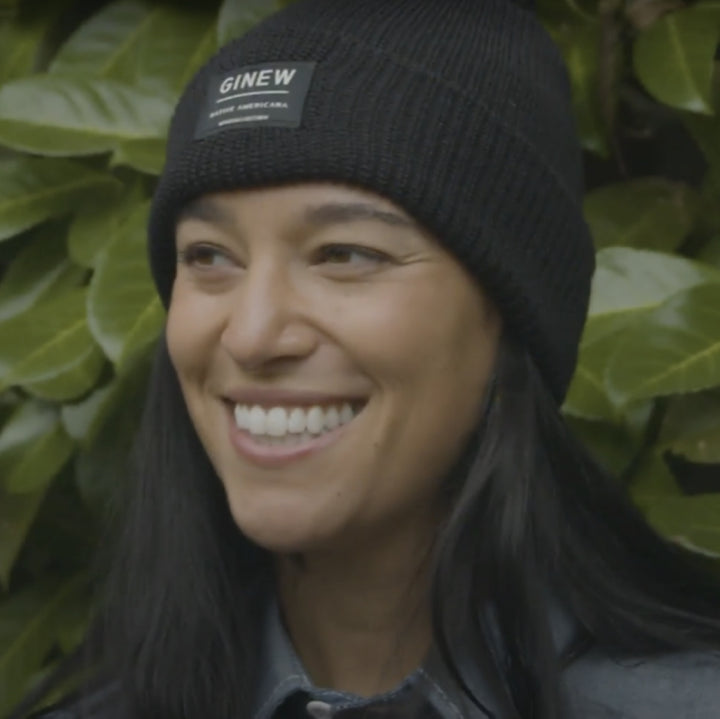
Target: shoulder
{"x":666,"y":686}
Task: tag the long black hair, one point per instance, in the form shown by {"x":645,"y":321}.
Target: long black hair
{"x":532,"y":513}
{"x":536,"y":517}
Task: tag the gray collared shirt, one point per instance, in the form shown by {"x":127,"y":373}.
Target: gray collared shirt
{"x":598,"y":685}
{"x":428,"y":692}
{"x":677,"y":685}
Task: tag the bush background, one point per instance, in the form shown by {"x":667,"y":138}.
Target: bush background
{"x":86,"y":91}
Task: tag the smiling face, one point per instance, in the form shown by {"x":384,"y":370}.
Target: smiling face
{"x":333,"y":358}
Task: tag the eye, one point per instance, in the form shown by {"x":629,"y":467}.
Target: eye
{"x":351,"y":255}
{"x":202,"y":256}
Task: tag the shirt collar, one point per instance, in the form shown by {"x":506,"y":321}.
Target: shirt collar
{"x":282,"y":675}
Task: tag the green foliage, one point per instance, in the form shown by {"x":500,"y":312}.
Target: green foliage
{"x":123,"y":309}
{"x":32,"y":621}
{"x":674,"y":57}
{"x":35,"y":189}
{"x":649,"y":371}
{"x":84,"y":108}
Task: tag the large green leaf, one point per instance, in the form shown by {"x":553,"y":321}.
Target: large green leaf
{"x":108,"y":424}
{"x":17,"y":513}
{"x":205,"y":47}
{"x":21,"y":41}
{"x":610,"y":444}
{"x":236,"y":17}
{"x":106,"y":45}
{"x":59,"y":115}
{"x":587,"y":397}
{"x":73,"y":624}
{"x":645,"y":213}
{"x":34,"y":189}
{"x":33,"y":448}
{"x":49,"y":350}
{"x":9,"y":402}
{"x":179,"y":41}
{"x":653,"y":482}
{"x":82,"y":419}
{"x":29,"y":627}
{"x":124,"y":312}
{"x":95,"y":226}
{"x":674,"y":59}
{"x":64,"y":536}
{"x":561,"y":11}
{"x":580,"y":45}
{"x":710,"y":253}
{"x":706,"y":133}
{"x":692,"y":427}
{"x":150,"y":46}
{"x":19,"y":44}
{"x":41,"y":267}
{"x":628,"y":284}
{"x":709,"y":207}
{"x":675,"y":349}
{"x":627,"y":280}
{"x":147,"y":156}
{"x":61,"y":690}
{"x":693,"y":521}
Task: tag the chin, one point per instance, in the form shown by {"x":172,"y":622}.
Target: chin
{"x":281,"y":530}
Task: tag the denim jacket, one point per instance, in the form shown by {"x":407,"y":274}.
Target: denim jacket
{"x":680,"y":685}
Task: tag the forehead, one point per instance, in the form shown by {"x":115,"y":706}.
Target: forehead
{"x":312,"y":203}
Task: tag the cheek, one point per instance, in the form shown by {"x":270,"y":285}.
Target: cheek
{"x":436,"y":332}
{"x":456,"y":372}
{"x":441,"y":402}
{"x":430,"y":352}
{"x":189,"y":330}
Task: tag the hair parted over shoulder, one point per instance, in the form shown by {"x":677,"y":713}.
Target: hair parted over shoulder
{"x":532,"y":514}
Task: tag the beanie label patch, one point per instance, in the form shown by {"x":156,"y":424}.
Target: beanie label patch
{"x":271,"y":94}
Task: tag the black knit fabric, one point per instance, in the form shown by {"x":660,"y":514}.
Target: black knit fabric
{"x":457,"y":110}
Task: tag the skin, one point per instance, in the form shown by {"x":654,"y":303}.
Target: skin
{"x":327,"y":288}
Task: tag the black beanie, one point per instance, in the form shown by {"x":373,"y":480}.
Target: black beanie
{"x":456,"y":110}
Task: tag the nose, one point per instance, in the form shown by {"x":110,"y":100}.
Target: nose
{"x":267,"y":322}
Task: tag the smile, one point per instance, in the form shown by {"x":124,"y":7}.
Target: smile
{"x":281,"y":425}
{"x":273,"y":436}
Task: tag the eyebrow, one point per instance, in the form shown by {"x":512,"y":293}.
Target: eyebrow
{"x":207,"y":210}
{"x":334,"y":213}
{"x":326,"y":214}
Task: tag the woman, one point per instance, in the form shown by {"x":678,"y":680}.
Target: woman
{"x":355,"y":494}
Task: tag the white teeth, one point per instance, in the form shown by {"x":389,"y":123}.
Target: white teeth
{"x":280,"y":423}
{"x":258,"y":421}
{"x":315,"y":420}
{"x":276,"y":424}
{"x":289,"y":440}
{"x":346,"y":413}
{"x":332,"y":418}
{"x":296,"y":423}
{"x":242,"y":416}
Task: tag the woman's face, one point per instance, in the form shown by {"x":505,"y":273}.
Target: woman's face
{"x":333,"y":358}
